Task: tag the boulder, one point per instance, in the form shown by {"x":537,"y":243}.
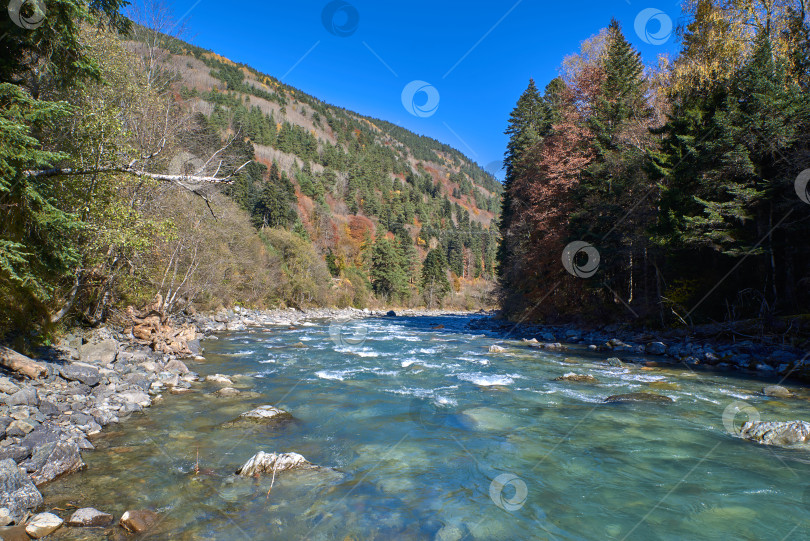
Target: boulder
{"x":138,"y":521}
{"x":7,"y":386}
{"x":178,"y":367}
{"x":139,"y":379}
{"x":194,"y":347}
{"x":19,"y":429}
{"x":80,"y":372}
{"x":53,"y":460}
{"x":266,"y":415}
{"x":227,"y":392}
{"x":43,"y":524}
{"x":496,"y":349}
{"x":615,"y":361}
{"x":103,"y":352}
{"x":639,"y":397}
{"x":578,"y":378}
{"x":24,"y":397}
{"x":43,"y":434}
{"x":17,"y":492}
{"x":219,"y":379}
{"x":776,"y":433}
{"x":5,"y":516}
{"x":90,"y":518}
{"x":263,"y":462}
{"x":776,"y":391}
{"x":15,"y":453}
{"x":136,"y":397}
{"x":656,"y":348}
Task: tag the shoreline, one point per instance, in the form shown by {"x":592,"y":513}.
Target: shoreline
{"x":101,"y":377}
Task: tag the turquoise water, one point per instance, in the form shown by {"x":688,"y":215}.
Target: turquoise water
{"x":433,"y":437}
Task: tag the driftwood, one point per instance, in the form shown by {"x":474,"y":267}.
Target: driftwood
{"x":152,"y":327}
{"x":19,"y":363}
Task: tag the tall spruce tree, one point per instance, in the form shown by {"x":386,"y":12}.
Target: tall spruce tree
{"x":529,"y":122}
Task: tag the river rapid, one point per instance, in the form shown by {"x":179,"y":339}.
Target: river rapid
{"x":428,"y":435}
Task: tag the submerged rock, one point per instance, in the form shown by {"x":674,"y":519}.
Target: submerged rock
{"x":89,"y":518}
{"x":138,"y":521}
{"x":639,"y":397}
{"x":17,"y":492}
{"x":42,"y":525}
{"x":615,"y":361}
{"x":263,"y":462}
{"x":776,"y":391}
{"x":578,"y":378}
{"x":776,"y":433}
{"x":227,"y":392}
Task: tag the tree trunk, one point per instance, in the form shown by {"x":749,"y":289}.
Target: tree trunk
{"x":16,"y":362}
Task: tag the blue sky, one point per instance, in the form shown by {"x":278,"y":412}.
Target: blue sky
{"x":478,"y":56}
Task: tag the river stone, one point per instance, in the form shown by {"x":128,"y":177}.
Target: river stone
{"x":639,"y":397}
{"x":496,"y":349}
{"x":776,"y":391}
{"x":194,"y":347}
{"x":80,"y":372}
{"x":776,"y":433}
{"x":7,"y":386}
{"x":43,"y":434}
{"x":52,"y":460}
{"x":103,"y":352}
{"x":219,"y":379}
{"x":46,"y":407}
{"x":15,"y":453}
{"x":178,"y":367}
{"x":138,"y":521}
{"x":485,"y":418}
{"x":136,"y":397}
{"x":89,"y":518}
{"x":266,"y":414}
{"x":263,"y":462}
{"x":227,"y":392}
{"x":615,"y":361}
{"x":17,"y":492}
{"x":42,"y":525}
{"x":19,"y":429}
{"x":656,"y":348}
{"x":139,"y":379}
{"x":578,"y":378}
{"x":5,"y":517}
{"x":24,"y":397}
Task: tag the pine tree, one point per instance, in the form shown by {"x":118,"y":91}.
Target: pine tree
{"x":435,"y":285}
{"x":387,"y":277}
{"x":529,"y":122}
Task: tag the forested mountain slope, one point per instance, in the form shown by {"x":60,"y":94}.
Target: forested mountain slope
{"x":332,"y":173}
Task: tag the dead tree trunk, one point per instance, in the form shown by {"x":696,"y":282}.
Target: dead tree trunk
{"x":19,"y":363}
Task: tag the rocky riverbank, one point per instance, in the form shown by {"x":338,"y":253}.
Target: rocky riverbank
{"x":97,"y":378}
{"x":705,"y":348}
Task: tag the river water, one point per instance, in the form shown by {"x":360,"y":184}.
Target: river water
{"x":433,"y":437}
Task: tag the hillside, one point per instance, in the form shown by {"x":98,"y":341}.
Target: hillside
{"x":335,"y":174}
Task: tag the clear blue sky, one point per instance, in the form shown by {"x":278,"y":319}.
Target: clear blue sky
{"x":376,"y":48}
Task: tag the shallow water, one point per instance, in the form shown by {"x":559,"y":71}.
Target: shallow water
{"x":434,"y":435}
